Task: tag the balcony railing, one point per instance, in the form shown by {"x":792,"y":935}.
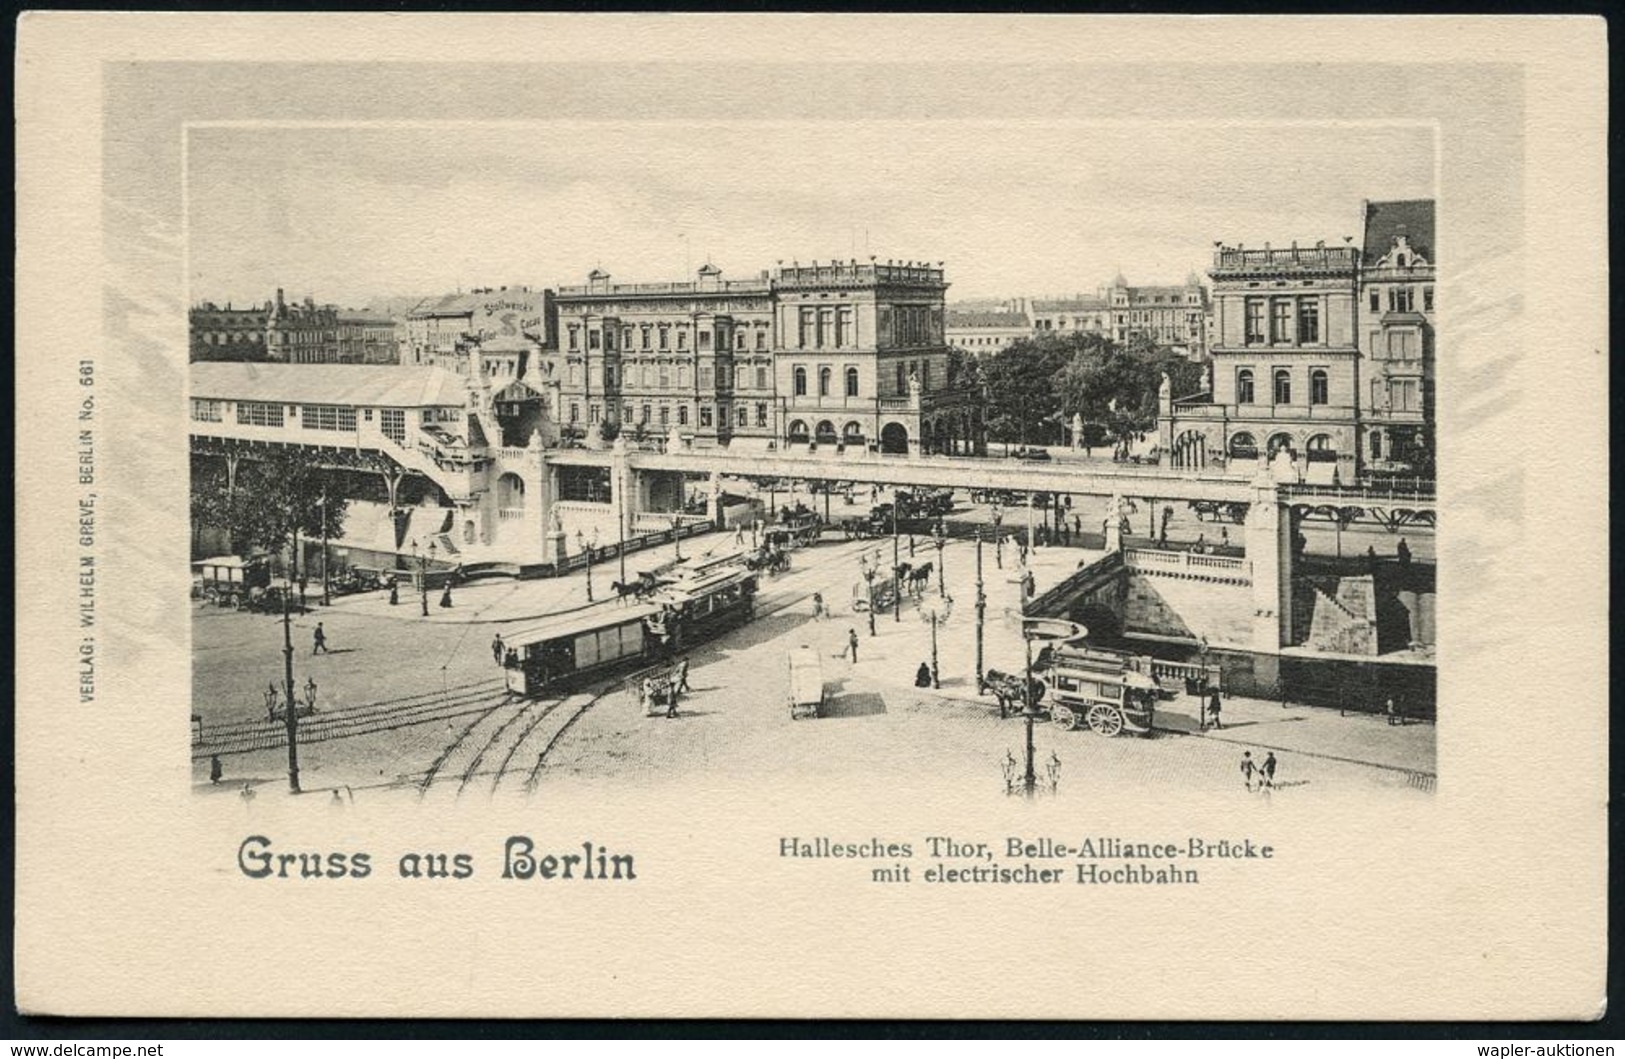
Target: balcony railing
{"x":1253,"y":412}
{"x":1317,"y":258}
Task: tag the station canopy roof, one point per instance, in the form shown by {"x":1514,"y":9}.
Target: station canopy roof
{"x":362,"y":385}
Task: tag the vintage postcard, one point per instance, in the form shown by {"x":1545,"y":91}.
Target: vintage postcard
{"x":839,"y":516}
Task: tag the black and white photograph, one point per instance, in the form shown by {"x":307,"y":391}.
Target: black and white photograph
{"x":699,"y":495}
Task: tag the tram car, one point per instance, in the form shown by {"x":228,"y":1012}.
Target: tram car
{"x":567,"y":650}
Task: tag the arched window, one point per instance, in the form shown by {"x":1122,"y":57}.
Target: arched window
{"x":801,"y":385}
{"x":823,"y":382}
{"x":1319,"y":386}
{"x":798,"y":432}
{"x":825,"y":434}
{"x":852,"y":433}
{"x":1280,"y":442}
{"x":1243,"y":446}
{"x":851,"y":382}
{"x":1244,"y":386}
{"x":1283,"y":386}
{"x":1319,"y":448}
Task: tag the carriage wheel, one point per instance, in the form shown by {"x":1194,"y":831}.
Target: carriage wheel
{"x":211,"y":596}
{"x":1064,"y":718}
{"x":236,"y":602}
{"x":1105,"y":720}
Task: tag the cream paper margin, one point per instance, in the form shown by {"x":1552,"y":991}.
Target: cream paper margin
{"x":1486,"y":903}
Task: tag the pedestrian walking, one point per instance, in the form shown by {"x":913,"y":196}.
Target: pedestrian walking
{"x":818,"y":606}
{"x":1224,"y":536}
{"x":1213,"y":709}
{"x":270,"y":701}
{"x":1268,"y":769}
{"x":445,"y":597}
{"x":310,"y":693}
{"x":394,"y":592}
{"x":496,"y":648}
{"x":319,"y":638}
{"x":922,"y":676}
{"x":1391,"y":711}
{"x":216,"y":770}
{"x":1248,"y":768}
{"x":1403,"y":552}
{"x":645,"y":690}
{"x":671,"y":699}
{"x":851,"y":645}
{"x":681,"y":681}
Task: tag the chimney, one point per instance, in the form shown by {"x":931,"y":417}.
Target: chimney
{"x":279,"y":302}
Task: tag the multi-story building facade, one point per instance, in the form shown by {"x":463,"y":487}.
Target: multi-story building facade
{"x":1079,"y":314}
{"x":1169,"y":316}
{"x":648,"y":357}
{"x":302,"y":333}
{"x":984,"y":333}
{"x":841,"y":353}
{"x":445,"y":330}
{"x":1397,"y":272}
{"x":364,"y":338}
{"x":863,"y":357}
{"x":228,"y":333}
{"x":1285,"y":363}
{"x":1325,"y":352}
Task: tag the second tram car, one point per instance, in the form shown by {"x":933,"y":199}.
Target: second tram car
{"x":564,"y":651}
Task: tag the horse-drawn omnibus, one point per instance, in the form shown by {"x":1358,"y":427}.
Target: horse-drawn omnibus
{"x":568,"y":649}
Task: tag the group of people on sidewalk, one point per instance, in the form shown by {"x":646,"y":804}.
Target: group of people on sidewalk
{"x":1264,"y":772}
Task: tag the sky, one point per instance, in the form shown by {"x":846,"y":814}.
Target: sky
{"x":352,"y":214}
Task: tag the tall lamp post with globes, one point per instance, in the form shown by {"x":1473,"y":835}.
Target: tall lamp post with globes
{"x":936,"y":611}
{"x":869,"y":572}
{"x":939,"y":537}
{"x":423,"y":560}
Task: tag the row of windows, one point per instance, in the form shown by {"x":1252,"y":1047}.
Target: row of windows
{"x":659,"y":336}
{"x":1272,"y":320}
{"x":822,"y":328}
{"x":1281,"y":389}
{"x":825,"y":377}
{"x":662,"y":414}
{"x":327,"y":417}
{"x":1244,"y":446}
{"x":1396,"y":395}
{"x":1400,"y":344}
{"x":222,"y":338}
{"x":652,"y":376}
{"x":1401,"y":299}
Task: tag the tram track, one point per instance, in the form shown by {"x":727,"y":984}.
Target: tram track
{"x":366,"y":719}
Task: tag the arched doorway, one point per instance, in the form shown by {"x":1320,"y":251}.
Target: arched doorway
{"x":825,"y":434}
{"x":852,"y":433}
{"x":894,"y":439}
{"x":510,"y":496}
{"x":798,"y":432}
{"x":1321,"y":448}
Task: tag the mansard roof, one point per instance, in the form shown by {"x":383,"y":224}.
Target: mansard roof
{"x":1412,"y":218}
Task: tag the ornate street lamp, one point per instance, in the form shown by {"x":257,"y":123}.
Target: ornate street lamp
{"x":327,"y":598}
{"x":423,"y":560}
{"x":939,"y":537}
{"x":896,"y":564}
{"x":582,"y":545}
{"x":936,"y":611}
{"x":869,"y":571}
{"x":981,"y":613}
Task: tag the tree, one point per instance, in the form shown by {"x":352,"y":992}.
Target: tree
{"x":1021,"y":393}
{"x":282,"y":497}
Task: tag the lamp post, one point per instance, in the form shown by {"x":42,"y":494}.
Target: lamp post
{"x":620,"y":529}
{"x":581,"y":543}
{"x":936,"y":611}
{"x":676,"y":538}
{"x":939,"y":537}
{"x":423,"y":560}
{"x":327,"y":597}
{"x":291,"y":706}
{"x":998,"y":537}
{"x":981,"y":613}
{"x":868,"y":569}
{"x":1030,"y":711}
{"x":896,"y":563}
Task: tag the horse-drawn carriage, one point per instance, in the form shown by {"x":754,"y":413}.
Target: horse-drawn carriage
{"x":229,"y":580}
